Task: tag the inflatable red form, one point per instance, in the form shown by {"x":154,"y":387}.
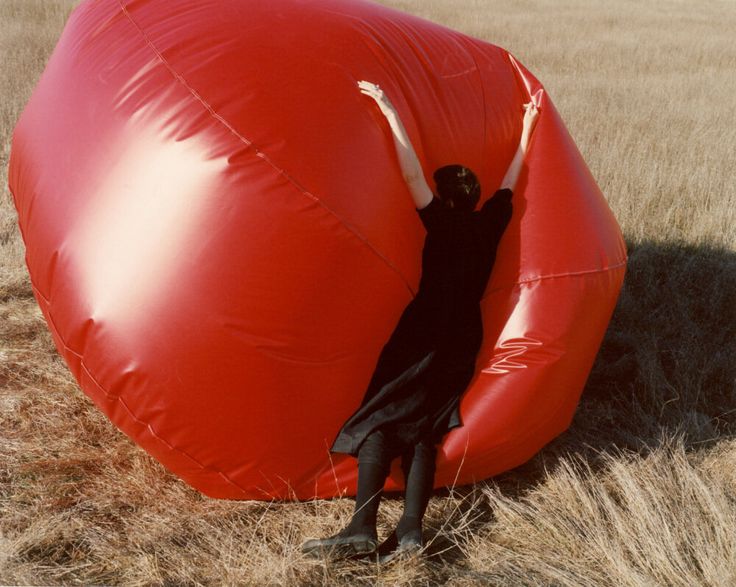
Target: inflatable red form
{"x":219,"y":236}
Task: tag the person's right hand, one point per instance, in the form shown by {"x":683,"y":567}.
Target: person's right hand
{"x":375,"y":92}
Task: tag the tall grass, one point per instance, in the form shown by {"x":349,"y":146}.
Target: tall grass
{"x":640,"y":491}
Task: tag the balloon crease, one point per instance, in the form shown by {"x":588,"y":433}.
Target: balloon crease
{"x":558,"y":275}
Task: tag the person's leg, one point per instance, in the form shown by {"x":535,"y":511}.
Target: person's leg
{"x":418,"y":464}
{"x":374,"y":462}
{"x":419,"y":469}
{"x":360,"y":536}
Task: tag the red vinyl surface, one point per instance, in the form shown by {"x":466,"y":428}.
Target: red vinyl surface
{"x":219,"y":236}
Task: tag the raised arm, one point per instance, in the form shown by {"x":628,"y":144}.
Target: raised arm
{"x":530,"y":120}
{"x":411,"y":169}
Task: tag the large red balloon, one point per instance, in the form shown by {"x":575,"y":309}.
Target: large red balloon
{"x":221,"y":241}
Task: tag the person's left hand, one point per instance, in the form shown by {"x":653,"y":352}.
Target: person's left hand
{"x":531,"y":114}
{"x":374,"y":91}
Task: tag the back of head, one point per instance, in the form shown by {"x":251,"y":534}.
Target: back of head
{"x":458,"y":186}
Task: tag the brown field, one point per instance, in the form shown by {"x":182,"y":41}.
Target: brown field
{"x":641,"y":491}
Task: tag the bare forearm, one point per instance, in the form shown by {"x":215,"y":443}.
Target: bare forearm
{"x":517,"y":163}
{"x":409,"y":164}
{"x":411,"y":169}
{"x":514,"y":170}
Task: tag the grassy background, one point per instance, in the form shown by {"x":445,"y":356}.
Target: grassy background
{"x":640,"y":491}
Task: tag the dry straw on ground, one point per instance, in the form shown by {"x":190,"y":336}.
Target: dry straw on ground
{"x":639,"y":492}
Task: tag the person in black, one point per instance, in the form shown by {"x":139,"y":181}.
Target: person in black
{"x":413,"y":398}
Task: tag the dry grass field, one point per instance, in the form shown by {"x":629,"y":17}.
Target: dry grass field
{"x":641,"y":491}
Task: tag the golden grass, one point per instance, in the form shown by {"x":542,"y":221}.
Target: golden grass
{"x":640,"y":491}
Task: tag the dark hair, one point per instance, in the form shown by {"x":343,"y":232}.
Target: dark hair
{"x":458,"y":186}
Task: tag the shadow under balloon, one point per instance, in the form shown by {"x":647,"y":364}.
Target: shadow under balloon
{"x":666,"y":367}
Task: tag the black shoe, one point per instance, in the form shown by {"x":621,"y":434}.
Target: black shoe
{"x":394,"y":548}
{"x":341,"y":546}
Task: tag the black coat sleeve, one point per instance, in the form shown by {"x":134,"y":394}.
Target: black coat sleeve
{"x":432,"y":214}
{"x":496,"y":214}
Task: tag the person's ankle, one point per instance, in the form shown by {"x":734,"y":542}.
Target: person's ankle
{"x":359,"y":528}
{"x":409,"y":527}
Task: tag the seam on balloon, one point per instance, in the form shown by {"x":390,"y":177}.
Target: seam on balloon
{"x":110,"y":397}
{"x":38,"y":291}
{"x":178,"y":77}
{"x":557,"y":275}
{"x":169,"y":446}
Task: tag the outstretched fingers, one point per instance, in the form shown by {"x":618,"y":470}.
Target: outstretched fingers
{"x":370,"y":89}
{"x":531,"y":113}
{"x":374,"y":91}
